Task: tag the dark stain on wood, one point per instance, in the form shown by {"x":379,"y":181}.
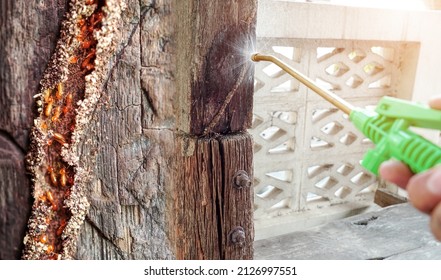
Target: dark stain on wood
{"x":227,"y":58}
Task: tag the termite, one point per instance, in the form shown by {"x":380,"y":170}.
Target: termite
{"x":73,"y":59}
{"x":84,"y":30}
{"x":48,"y":108}
{"x":56,"y":115}
{"x":60,"y":90}
{"x":50,"y":249}
{"x":43,"y":198}
{"x":61,"y":227}
{"x":69,"y":99}
{"x":96,"y":18}
{"x":43,"y":239}
{"x":87,"y":44}
{"x":46,"y":95}
{"x":44,"y":126}
{"x":86,"y":63}
{"x":52,"y":176}
{"x":59,"y":138}
{"x":63,"y":178}
{"x":50,"y":198}
{"x":68,"y":103}
{"x":90,"y":2}
{"x":80,"y":37}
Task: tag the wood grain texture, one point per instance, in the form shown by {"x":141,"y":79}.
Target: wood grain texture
{"x":28,"y":33}
{"x":215,"y":40}
{"x":135,"y":149}
{"x":395,"y":232}
{"x":207,"y":205}
{"x":237,"y":211}
{"x":15,"y":201}
{"x":130,"y":144}
{"x":214,"y":82}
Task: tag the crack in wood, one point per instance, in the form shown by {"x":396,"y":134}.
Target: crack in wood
{"x":106,"y":238}
{"x":207,"y":194}
{"x":150,"y":101}
{"x":68,"y":99}
{"x":227,"y":101}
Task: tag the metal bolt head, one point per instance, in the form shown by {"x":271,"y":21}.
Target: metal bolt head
{"x":242,"y":180}
{"x":237,"y":236}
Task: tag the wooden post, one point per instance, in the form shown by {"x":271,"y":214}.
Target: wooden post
{"x":167,"y":152}
{"x":213,"y":206}
{"x":215,"y":82}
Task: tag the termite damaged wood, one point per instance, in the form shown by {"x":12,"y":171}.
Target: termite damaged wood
{"x":70,"y":90}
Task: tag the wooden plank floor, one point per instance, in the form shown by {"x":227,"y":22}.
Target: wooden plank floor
{"x":396,"y":232}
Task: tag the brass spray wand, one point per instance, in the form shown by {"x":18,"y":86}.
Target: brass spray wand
{"x":326,"y":94}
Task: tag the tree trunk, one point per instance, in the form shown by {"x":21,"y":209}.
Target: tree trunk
{"x":168,"y":159}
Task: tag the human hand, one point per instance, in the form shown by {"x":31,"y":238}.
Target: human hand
{"x":424,"y":189}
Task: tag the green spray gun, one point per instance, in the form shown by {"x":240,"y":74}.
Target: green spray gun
{"x":387,"y":126}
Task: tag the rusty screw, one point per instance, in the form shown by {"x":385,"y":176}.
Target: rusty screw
{"x":241,"y":180}
{"x":237,"y":236}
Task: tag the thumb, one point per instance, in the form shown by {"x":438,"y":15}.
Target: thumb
{"x":435,"y":102}
{"x":425,"y":189}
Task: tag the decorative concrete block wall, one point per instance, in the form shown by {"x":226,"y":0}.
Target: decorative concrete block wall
{"x":307,"y":153}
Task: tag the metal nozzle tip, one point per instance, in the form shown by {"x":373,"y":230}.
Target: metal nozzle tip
{"x":254,"y":57}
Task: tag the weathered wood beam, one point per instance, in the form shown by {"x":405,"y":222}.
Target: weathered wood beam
{"x":215,"y":86}
{"x":167,"y":145}
{"x":214,"y":201}
{"x":132,"y":143}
